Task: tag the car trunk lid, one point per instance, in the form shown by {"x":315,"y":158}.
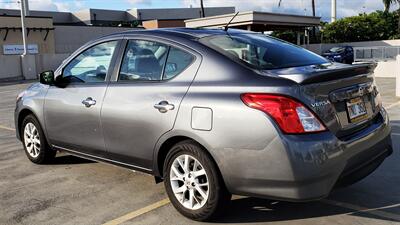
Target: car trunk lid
{"x":344,"y":97}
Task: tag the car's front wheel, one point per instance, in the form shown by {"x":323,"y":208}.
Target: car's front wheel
{"x":35,"y":144}
{"x":193,"y":182}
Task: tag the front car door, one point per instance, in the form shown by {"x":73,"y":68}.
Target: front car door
{"x":143,"y":99}
{"x":72,"y":112}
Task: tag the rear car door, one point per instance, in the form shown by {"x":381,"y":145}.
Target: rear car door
{"x":143,"y":98}
{"x":72,"y":111}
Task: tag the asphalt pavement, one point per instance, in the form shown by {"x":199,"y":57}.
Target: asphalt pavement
{"x":78,"y":191}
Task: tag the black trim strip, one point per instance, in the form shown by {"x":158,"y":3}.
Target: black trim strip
{"x":100,"y":159}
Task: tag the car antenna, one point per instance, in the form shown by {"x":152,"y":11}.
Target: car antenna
{"x":226,"y":26}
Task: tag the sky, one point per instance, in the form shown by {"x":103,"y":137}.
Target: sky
{"x":301,"y":7}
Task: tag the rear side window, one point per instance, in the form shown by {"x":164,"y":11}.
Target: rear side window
{"x":143,"y":61}
{"x":262,"y":52}
{"x":152,"y":61}
{"x":177,"y":62}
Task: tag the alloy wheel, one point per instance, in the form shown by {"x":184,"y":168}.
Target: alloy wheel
{"x":32,"y":140}
{"x":189,"y":182}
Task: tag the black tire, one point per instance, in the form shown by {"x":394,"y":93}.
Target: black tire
{"x":218,"y":196}
{"x":46,"y":154}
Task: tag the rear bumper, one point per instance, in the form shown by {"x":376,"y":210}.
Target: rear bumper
{"x":308,"y":167}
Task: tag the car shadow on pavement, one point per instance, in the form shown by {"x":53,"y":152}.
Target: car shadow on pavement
{"x":251,"y":210}
{"x":69,"y":159}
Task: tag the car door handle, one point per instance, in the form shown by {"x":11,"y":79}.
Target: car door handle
{"x":89,"y":102}
{"x":164,"y":106}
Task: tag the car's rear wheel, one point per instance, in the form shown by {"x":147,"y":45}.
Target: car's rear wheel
{"x":193,"y":182}
{"x":35,"y":144}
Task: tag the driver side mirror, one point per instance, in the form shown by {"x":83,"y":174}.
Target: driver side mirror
{"x":47,"y":77}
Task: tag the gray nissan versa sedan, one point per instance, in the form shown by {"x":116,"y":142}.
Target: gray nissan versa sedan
{"x":211,"y":113}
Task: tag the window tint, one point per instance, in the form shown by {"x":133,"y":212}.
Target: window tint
{"x":262,"y":52}
{"x":91,"y":65}
{"x":177,"y":61}
{"x":143,"y":60}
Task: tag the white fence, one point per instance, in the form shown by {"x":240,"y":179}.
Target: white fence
{"x":377,"y":54}
{"x":383,"y":52}
{"x":321,"y":48}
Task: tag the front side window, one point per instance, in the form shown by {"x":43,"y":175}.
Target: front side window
{"x":262,"y":52}
{"x":143,"y":61}
{"x":91,"y":65}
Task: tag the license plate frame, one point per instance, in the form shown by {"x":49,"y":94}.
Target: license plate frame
{"x":356,"y":109}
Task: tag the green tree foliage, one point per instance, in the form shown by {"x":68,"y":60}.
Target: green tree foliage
{"x":287,"y":35}
{"x":364,"y":27}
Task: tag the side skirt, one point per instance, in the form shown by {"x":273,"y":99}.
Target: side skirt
{"x":104,"y":160}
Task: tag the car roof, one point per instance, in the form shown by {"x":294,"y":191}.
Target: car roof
{"x":189,"y":33}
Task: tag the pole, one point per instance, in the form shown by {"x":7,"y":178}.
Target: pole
{"x":23,"y":27}
{"x":298,"y":38}
{"x":333,"y":11}
{"x":397,"y":72}
{"x":313,"y":7}
{"x":202,"y":8}
{"x":27,"y":13}
{"x":313,"y":35}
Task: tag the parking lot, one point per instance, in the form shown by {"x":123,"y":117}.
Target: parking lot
{"x":77,"y":191}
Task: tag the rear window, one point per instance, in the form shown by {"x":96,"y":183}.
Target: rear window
{"x":336,"y":50}
{"x":262,"y":52}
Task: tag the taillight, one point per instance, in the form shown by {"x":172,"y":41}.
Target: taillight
{"x":291,"y":116}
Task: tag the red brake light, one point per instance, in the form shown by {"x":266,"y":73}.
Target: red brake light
{"x":291,"y":116}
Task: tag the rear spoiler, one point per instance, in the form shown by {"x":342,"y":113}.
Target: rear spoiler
{"x":323,"y":74}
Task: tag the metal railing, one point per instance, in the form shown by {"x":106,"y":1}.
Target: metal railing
{"x":379,"y":53}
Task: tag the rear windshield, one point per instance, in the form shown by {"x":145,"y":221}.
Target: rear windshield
{"x":336,"y":50}
{"x":262,"y":52}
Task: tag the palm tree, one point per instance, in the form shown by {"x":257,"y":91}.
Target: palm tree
{"x":388,"y":4}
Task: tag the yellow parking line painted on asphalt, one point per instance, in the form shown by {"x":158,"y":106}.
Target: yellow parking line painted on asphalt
{"x":7,"y":128}
{"x":359,"y":209}
{"x":393,"y":105}
{"x":138,"y":212}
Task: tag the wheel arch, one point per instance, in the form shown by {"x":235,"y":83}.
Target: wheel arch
{"x":20,"y":118}
{"x":165,"y":146}
{"x":163,"y":150}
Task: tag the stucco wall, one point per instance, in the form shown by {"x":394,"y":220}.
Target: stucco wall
{"x":386,"y":69}
{"x":176,"y":13}
{"x":14,"y":36}
{"x":10,"y":66}
{"x":153,"y":24}
{"x":70,"y":38}
{"x":46,"y":62}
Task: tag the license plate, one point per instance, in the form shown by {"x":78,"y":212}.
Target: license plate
{"x":356,"y":109}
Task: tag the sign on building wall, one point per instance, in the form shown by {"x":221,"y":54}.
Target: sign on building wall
{"x":19,"y":49}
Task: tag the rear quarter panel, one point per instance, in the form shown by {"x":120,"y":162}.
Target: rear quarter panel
{"x":237,"y":132}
